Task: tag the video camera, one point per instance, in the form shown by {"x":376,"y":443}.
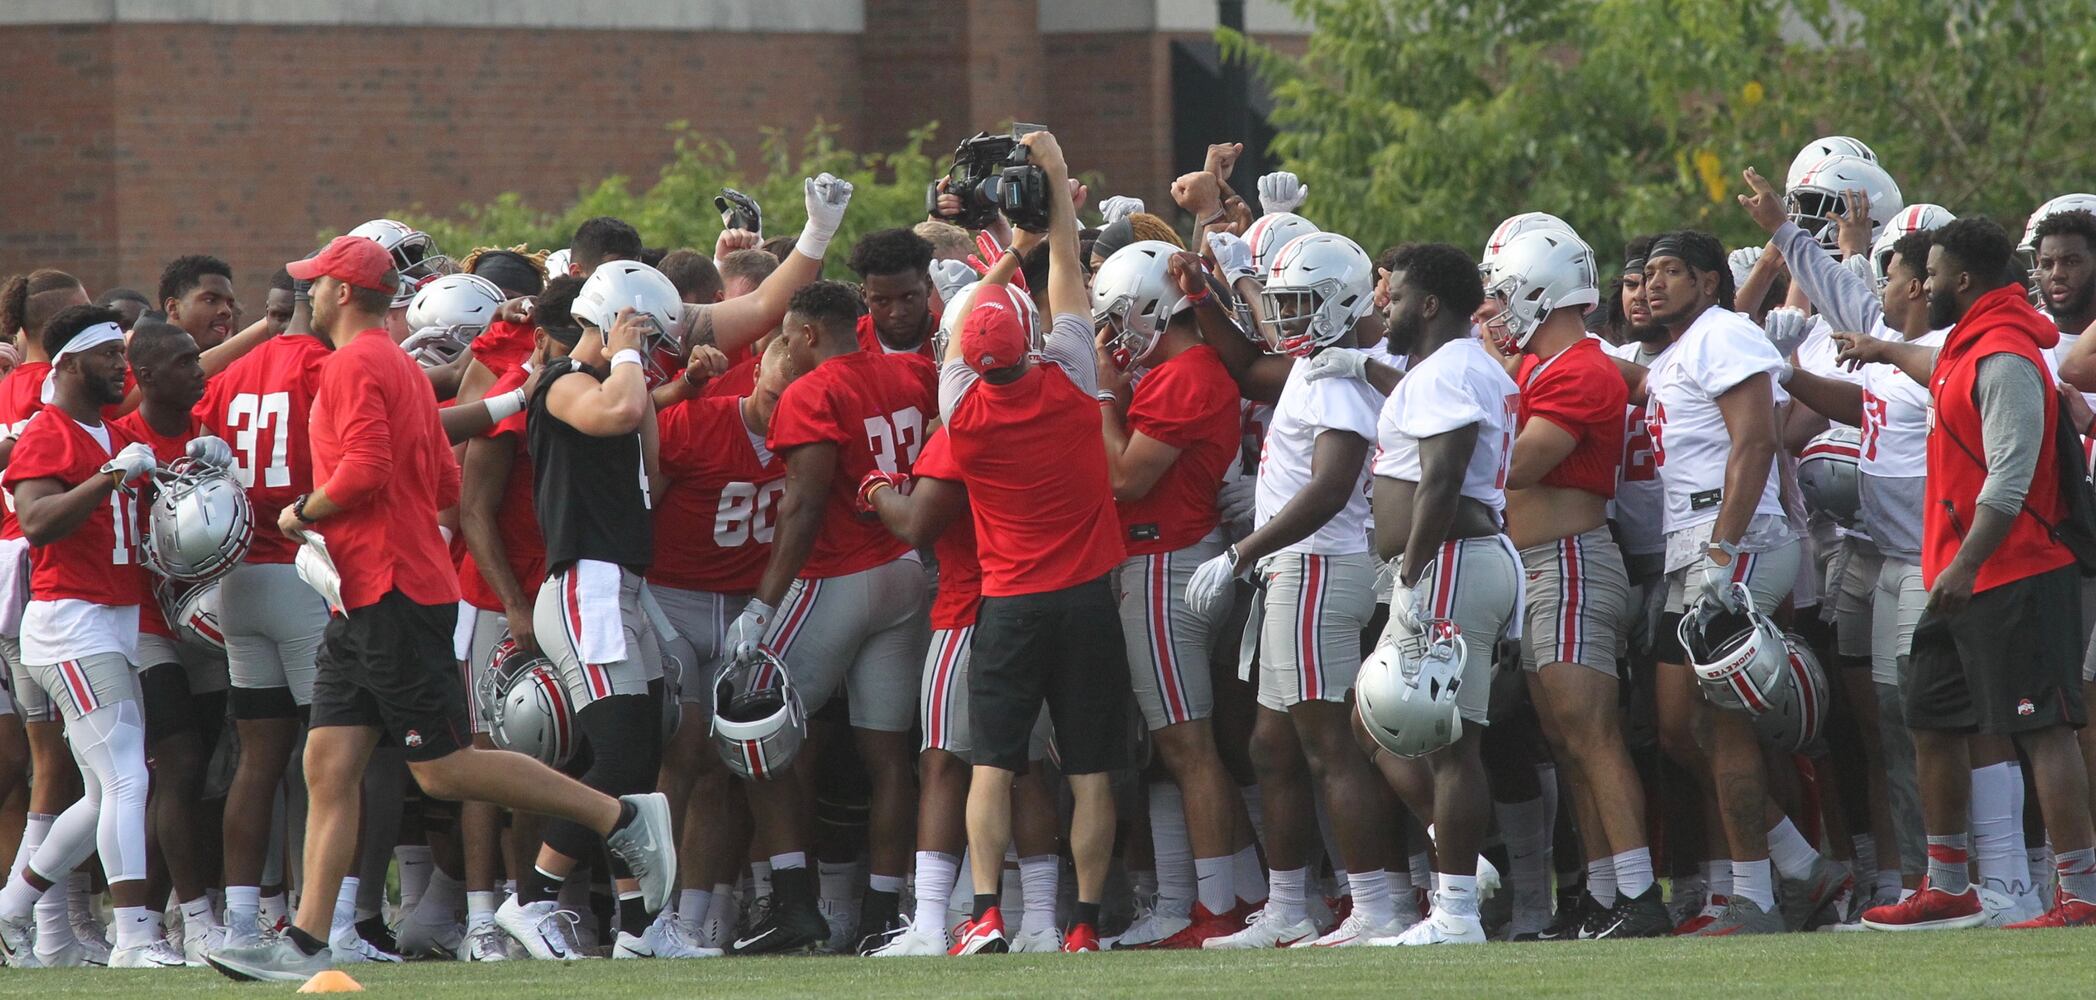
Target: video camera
{"x":993,"y":174}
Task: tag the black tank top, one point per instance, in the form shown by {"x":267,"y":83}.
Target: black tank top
{"x":589,"y":491}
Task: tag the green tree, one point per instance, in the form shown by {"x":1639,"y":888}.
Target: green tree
{"x":677,"y":210}
{"x":1426,"y":120}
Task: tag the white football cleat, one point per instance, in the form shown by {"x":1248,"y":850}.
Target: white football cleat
{"x":913,"y":940}
{"x":1439,"y":927}
{"x":2003,"y":905}
{"x":158,"y":955}
{"x":1150,"y":929}
{"x":1046,"y":940}
{"x":1354,"y":930}
{"x":546,"y":931}
{"x":484,"y":943}
{"x":1265,"y":929}
{"x":207,"y":939}
{"x":663,"y":939}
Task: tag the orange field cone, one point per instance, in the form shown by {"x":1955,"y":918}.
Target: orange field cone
{"x":332,"y":981}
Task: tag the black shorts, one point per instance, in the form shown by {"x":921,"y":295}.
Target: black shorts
{"x":389,"y":665}
{"x":163,"y":694}
{"x":2009,"y":663}
{"x":1064,"y":647}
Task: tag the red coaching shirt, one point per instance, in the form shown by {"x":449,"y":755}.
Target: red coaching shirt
{"x":260,"y":405}
{"x":379,"y":451}
{"x":516,"y":520}
{"x":960,"y":571}
{"x":99,"y":562}
{"x":1190,"y":403}
{"x":21,"y":396}
{"x":1581,"y":392}
{"x":873,"y":407}
{"x":166,"y":448}
{"x":714,"y":523}
{"x":1035,"y":465}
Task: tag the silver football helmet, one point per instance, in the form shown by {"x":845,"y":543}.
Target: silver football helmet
{"x":415,"y":255}
{"x":1912,"y":219}
{"x":1821,"y":193}
{"x":1272,"y":231}
{"x":630,"y":284}
{"x":1510,"y":227}
{"x":557,"y":264}
{"x":1319,"y":287}
{"x":191,"y":609}
{"x":1406,"y":691}
{"x":446,"y":315}
{"x":1827,"y":473}
{"x":1745,"y":663}
{"x":1821,"y":148}
{"x":1537,"y":273}
{"x":528,"y":706}
{"x":758,"y":722}
{"x":1133,"y":294}
{"x":200,"y":523}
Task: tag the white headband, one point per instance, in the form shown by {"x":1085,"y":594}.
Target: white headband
{"x":82,"y":342}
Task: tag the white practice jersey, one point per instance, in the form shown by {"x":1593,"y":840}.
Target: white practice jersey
{"x":1305,"y":410}
{"x":1690,"y":442}
{"x":1895,"y":427}
{"x":1640,"y":506}
{"x":1819,"y":354}
{"x":1454,"y":387}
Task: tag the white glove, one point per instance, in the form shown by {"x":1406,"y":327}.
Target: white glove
{"x":211,"y":450}
{"x":949,"y":277}
{"x":1742,"y":262}
{"x":1119,"y":207}
{"x":1232,"y":253}
{"x":135,"y":461}
{"x":1281,"y":191}
{"x":748,"y":629}
{"x":1408,"y":605}
{"x":1717,"y":583}
{"x":1337,"y":363}
{"x":825,"y":197}
{"x":1234,"y":501}
{"x":1786,"y":329}
{"x":1208,"y":593}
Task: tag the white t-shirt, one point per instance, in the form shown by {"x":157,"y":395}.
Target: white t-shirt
{"x":1639,"y":508}
{"x":1305,"y":410}
{"x":1690,"y":443}
{"x":1454,"y":387}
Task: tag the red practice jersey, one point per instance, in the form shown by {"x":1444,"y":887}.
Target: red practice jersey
{"x":714,"y":523}
{"x":20,"y":398}
{"x":1190,"y":403}
{"x":99,"y":561}
{"x":516,"y":521}
{"x":1580,"y":391}
{"x":503,"y":348}
{"x":873,"y":407}
{"x":260,"y":405}
{"x":166,"y":448}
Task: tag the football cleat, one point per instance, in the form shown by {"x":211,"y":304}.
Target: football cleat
{"x":985,"y":935}
{"x":1043,"y":941}
{"x":2067,"y":911}
{"x":1152,"y":930}
{"x":1640,"y":917}
{"x":2007,"y":906}
{"x":18,"y":941}
{"x":788,"y":926}
{"x":1353,"y":931}
{"x":909,"y":939}
{"x":1200,"y":927}
{"x":1572,"y":916}
{"x":1929,"y":909}
{"x":424,"y":940}
{"x":1266,"y":928}
{"x":275,"y":960}
{"x":160,"y":954}
{"x":484,"y":943}
{"x":1082,"y":938}
{"x":1440,"y":927}
{"x":1808,"y":903}
{"x":662,"y":939}
{"x":546,"y":931}
{"x":356,"y":948}
{"x":1743,"y":916}
{"x":208,"y":938}
{"x":93,"y":938}
{"x":1712,"y":906}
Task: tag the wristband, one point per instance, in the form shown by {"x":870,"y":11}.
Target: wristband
{"x":1199,"y":298}
{"x":812,"y":244}
{"x":1107,"y":396}
{"x":505,"y":406}
{"x":629,"y":356}
{"x":1728,"y":548}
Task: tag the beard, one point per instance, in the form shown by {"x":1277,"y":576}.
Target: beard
{"x":2077,"y":307}
{"x":1406,"y":332}
{"x":1648,"y":333}
{"x":1943,"y":310}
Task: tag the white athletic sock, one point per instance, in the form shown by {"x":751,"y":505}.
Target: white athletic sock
{"x":416,"y":865}
{"x":1997,"y":828}
{"x":1173,"y":851}
{"x":441,"y":900}
{"x":2038,"y":858}
{"x":243,"y":907}
{"x":1422,"y":869}
{"x":1248,"y":876}
{"x":1524,"y":827}
{"x":1793,"y":855}
{"x":1037,"y":880}
{"x":692,"y":905}
{"x":197,"y":918}
{"x":54,"y":919}
{"x":79,"y":886}
{"x":1755,"y":881}
{"x":134,"y":927}
{"x":33,"y":834}
{"x":760,"y":877}
{"x":790,"y":859}
{"x":1719,"y":876}
{"x":344,"y":925}
{"x":1457,"y":895}
{"x":1633,"y":870}
{"x":481,"y":907}
{"x":1214,"y":879}
{"x":1601,"y":881}
{"x":1285,"y":894}
{"x":270,"y":910}
{"x":1371,"y":891}
{"x":936,"y":873}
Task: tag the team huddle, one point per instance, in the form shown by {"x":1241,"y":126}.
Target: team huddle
{"x":1054,"y":588}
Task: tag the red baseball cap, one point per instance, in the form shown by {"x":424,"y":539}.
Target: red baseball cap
{"x":993,"y":335}
{"x":352,"y":260}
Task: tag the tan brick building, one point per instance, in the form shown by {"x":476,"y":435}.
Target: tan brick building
{"x":132,"y":131}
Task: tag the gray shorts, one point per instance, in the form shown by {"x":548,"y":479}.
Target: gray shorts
{"x":1475,"y":583}
{"x":1167,"y":643}
{"x":1895,"y":610}
{"x":78,"y":687}
{"x":1578,"y":602}
{"x":1308,"y":626}
{"x":28,"y":700}
{"x":273,"y":624}
{"x":1770,"y":576}
{"x":1848,"y":595}
{"x":866,"y":632}
{"x":205,"y":669}
{"x":483,"y":630}
{"x":700,"y":618}
{"x":565,"y":609}
{"x":943,"y":698}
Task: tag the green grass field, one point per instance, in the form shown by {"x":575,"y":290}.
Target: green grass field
{"x":1951,"y":964}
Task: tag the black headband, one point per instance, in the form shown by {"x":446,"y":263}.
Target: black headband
{"x":1701,"y":258}
{"x":1635,"y":265}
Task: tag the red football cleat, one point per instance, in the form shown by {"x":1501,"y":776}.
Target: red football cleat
{"x":1929,"y":909}
{"x":1205,"y":925}
{"x":2067,"y":911}
{"x":985,"y":935}
{"x":1081,"y":938}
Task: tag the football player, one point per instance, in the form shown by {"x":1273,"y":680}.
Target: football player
{"x":894,"y":269}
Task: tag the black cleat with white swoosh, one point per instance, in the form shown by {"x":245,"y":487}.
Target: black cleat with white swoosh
{"x":793,"y":926}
